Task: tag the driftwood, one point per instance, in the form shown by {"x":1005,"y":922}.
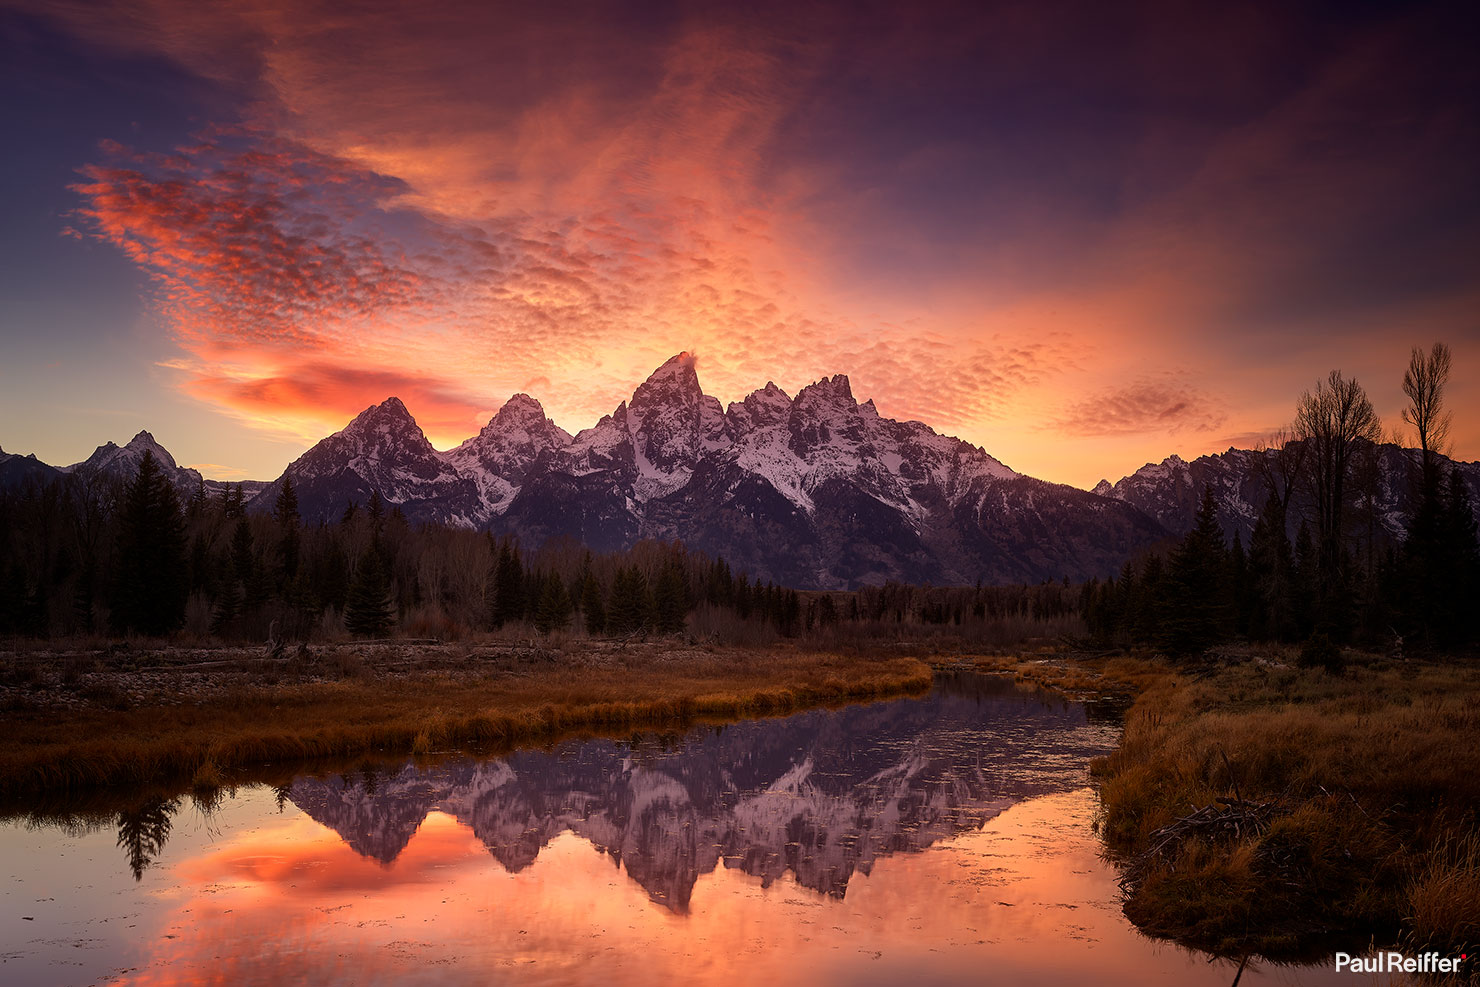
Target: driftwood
{"x":1229,"y":818}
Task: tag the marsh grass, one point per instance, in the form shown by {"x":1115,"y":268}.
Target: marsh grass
{"x":1373,"y":778}
{"x":363,"y":712}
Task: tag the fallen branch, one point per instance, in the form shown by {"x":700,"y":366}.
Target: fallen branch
{"x":1231,"y":818}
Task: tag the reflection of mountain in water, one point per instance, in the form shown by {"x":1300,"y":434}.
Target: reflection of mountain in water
{"x":820,"y":794}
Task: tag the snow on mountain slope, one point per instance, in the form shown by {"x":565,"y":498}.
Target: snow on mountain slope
{"x":816,"y":491}
{"x":499,"y":457}
{"x":382,"y":450}
{"x":122,"y":462}
{"x":1171,"y":490}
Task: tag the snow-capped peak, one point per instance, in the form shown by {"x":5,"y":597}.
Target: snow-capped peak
{"x":834,"y":390}
{"x":499,"y":457}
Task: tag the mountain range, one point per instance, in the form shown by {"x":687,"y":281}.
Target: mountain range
{"x":812,"y":491}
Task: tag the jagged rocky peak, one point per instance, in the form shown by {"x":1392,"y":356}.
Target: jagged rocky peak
{"x":673,"y":423}
{"x":1103,"y":489}
{"x":676,"y":381}
{"x":520,"y":426}
{"x":390,"y":413}
{"x":829,"y":392}
{"x":826,"y":414}
{"x":520,"y":409}
{"x":767,"y":406}
{"x":110,"y":455}
{"x":500,"y":457}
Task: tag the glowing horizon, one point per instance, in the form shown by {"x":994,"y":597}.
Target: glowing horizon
{"x":1081,"y":242}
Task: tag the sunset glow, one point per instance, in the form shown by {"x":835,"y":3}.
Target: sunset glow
{"x":1083,"y":237}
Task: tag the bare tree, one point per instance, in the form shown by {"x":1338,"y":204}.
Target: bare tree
{"x":1424,"y":382}
{"x":1332,"y":421}
{"x":1279,"y":461}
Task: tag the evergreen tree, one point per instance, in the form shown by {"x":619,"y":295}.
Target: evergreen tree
{"x":1148,"y":603}
{"x":228,"y":605}
{"x":243,"y":557}
{"x":1197,"y":608}
{"x":329,"y":576}
{"x":376,"y":510}
{"x":593,"y":610}
{"x":143,"y":831}
{"x":1459,"y":564}
{"x":285,"y":512}
{"x":1304,"y":582}
{"x":553,"y":611}
{"x":669,"y":603}
{"x":151,"y":572}
{"x":1241,"y":587}
{"x":233,"y":502}
{"x":1271,"y":561}
{"x":630,"y":609}
{"x":367,"y":612}
{"x":508,"y":587}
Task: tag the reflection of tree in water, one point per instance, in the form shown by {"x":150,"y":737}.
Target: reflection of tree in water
{"x":143,"y":831}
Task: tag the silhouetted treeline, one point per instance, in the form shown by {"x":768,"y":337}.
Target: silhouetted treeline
{"x":1207,"y":591}
{"x":86,"y":556}
{"x":1338,"y":581}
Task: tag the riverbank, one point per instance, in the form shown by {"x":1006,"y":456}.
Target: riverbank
{"x":1261,"y":808}
{"x":149,"y":716}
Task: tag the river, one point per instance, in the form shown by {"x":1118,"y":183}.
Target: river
{"x":946,"y":839}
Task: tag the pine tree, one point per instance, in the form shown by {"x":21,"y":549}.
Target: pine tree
{"x":1272,"y":576}
{"x":243,"y":558}
{"x":285,"y":512}
{"x":228,"y":605}
{"x":234,"y":502}
{"x":1240,"y":585}
{"x":1304,"y":574}
{"x":1147,"y":606}
{"x":507,"y":603}
{"x":1197,"y":608}
{"x":593,"y":610}
{"x":144,"y":829}
{"x":151,"y":574}
{"x":1459,"y":563}
{"x":670,"y":606}
{"x":367,"y":612}
{"x":553,"y":611}
{"x":630,"y":604}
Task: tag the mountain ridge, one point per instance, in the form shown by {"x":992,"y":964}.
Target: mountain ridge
{"x":814,"y":491}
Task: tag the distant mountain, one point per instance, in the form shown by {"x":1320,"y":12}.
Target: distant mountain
{"x":1170,"y":491}
{"x":16,"y":470}
{"x":113,"y":462}
{"x":122,"y":462}
{"x":815,"y":491}
{"x":812,"y":491}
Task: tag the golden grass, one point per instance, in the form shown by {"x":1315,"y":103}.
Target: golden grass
{"x":201,"y":743}
{"x":1375,"y":781}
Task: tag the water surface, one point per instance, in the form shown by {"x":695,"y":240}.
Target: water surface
{"x":940,"y":840}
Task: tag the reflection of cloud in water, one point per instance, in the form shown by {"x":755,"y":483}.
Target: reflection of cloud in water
{"x":820,"y":794}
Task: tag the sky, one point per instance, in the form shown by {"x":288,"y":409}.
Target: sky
{"x":1083,"y":236}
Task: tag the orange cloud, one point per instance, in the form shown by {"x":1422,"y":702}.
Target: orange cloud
{"x":451,"y":203}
